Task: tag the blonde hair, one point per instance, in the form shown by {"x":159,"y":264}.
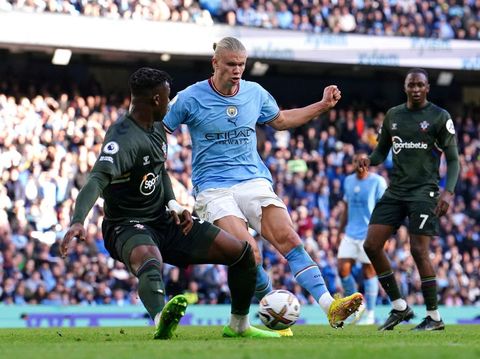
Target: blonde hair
{"x":229,"y":44}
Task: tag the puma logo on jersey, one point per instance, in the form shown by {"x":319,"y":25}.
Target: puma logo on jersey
{"x":232,"y":113}
{"x":146,"y":160}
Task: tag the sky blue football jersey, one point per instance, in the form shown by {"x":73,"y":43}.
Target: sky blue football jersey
{"x":223,"y":133}
{"x":361,"y":195}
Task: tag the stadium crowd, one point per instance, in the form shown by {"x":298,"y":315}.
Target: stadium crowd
{"x":443,"y":19}
{"x":49,"y":144}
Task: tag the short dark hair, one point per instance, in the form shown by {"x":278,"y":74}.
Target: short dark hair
{"x":418,"y":70}
{"x":145,"y":79}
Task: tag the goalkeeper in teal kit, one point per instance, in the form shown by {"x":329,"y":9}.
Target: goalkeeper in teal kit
{"x":418,"y":132}
{"x":144,"y":226}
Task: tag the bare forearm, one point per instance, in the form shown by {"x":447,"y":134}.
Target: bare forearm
{"x":300,"y":116}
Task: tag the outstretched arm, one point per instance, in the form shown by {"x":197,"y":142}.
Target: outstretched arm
{"x":299,"y":116}
{"x":85,"y":201}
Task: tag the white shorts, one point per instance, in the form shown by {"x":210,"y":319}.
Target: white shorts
{"x":244,"y":200}
{"x":353,"y":248}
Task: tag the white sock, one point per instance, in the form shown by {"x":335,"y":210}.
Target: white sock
{"x":239,"y":323}
{"x":434,"y":314}
{"x":399,"y":304}
{"x":325,"y":301}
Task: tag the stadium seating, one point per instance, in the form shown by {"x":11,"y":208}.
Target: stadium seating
{"x":49,"y":143}
{"x":433,"y":19}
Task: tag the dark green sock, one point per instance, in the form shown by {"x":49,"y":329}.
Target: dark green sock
{"x":389,"y":284}
{"x":242,"y":280}
{"x":150,"y":286}
{"x":429,"y":291}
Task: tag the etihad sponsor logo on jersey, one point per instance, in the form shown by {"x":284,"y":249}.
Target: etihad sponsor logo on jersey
{"x":148,"y":184}
{"x":424,"y":125}
{"x":234,"y":137}
{"x":398,"y":145}
{"x":111,"y":148}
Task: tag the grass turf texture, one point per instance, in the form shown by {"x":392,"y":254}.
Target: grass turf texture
{"x":206,"y":342}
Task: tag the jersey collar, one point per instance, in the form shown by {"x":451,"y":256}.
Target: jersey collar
{"x":212,"y":85}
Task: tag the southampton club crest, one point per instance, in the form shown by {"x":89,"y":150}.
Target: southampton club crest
{"x":424,"y":125}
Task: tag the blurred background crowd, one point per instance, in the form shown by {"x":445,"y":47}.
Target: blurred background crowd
{"x":444,"y":19}
{"x":50,"y":140}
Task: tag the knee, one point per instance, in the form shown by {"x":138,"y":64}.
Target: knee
{"x":145,"y":258}
{"x":371,"y":248}
{"x":150,"y":264}
{"x":288,"y":241}
{"x":419,"y":253}
{"x":246,"y":259}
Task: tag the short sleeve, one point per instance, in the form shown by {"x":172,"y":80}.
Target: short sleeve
{"x":270,"y":110}
{"x":446,"y":133}
{"x":176,"y":113}
{"x":116,"y":158}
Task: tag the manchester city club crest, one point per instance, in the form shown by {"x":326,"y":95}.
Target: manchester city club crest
{"x":164,"y":149}
{"x":424,"y":125}
{"x":232,"y":111}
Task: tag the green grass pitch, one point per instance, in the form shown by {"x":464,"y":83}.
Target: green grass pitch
{"x":194,"y":342}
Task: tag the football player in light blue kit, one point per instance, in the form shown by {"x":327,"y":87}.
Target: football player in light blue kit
{"x":362,"y":190}
{"x":232,"y":186}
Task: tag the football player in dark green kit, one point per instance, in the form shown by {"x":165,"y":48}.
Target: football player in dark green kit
{"x":144,"y":226}
{"x":417,"y":132}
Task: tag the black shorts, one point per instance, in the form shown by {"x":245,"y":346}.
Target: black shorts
{"x":421,"y":218}
{"x":175,"y":247}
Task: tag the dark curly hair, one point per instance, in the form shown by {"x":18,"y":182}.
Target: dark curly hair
{"x":418,"y":70}
{"x":145,"y":79}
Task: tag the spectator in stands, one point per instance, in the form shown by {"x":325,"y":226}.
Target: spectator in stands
{"x":67,"y":113}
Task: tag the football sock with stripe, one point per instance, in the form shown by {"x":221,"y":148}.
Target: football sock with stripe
{"x":150,"y":286}
{"x":389,"y":284}
{"x":264,"y":285}
{"x":349,"y":285}
{"x":371,"y":292}
{"x":241,"y":281}
{"x":429,"y":291}
{"x":307,"y":273}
